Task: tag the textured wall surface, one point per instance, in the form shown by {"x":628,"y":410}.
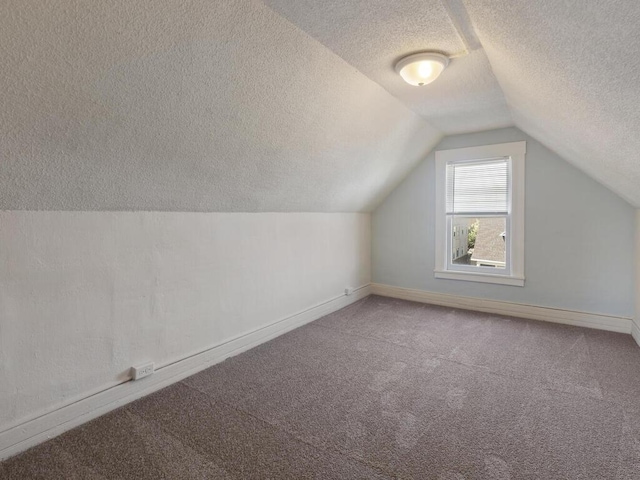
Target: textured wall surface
{"x":190,"y":106}
{"x":86,"y":295}
{"x":570,"y":73}
{"x":578,"y":236}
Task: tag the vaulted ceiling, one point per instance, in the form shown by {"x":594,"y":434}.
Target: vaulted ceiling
{"x":372,"y":35}
{"x":294,"y":105}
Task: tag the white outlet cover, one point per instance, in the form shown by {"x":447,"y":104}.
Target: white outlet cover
{"x":141,"y":371}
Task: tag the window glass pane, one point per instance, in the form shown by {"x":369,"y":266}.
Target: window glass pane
{"x":478,"y":187}
{"x":479,"y":241}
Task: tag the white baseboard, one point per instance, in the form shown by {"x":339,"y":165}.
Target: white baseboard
{"x":635,"y":332}
{"x":568,"y":317}
{"x":45,"y":427}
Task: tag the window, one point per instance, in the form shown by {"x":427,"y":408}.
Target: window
{"x":480,"y":214}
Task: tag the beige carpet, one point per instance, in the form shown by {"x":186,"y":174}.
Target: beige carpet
{"x":381,"y":389}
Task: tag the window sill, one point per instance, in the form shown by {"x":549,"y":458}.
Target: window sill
{"x":480,"y":277}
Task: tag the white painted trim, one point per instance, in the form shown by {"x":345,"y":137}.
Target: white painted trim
{"x":635,"y":332}
{"x":514,"y":150}
{"x":441,"y":214}
{"x":555,"y":315}
{"x":480,"y":277}
{"x":483,"y":151}
{"x":52,"y":424}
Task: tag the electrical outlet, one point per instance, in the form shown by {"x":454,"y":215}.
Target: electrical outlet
{"x":348,"y":290}
{"x":142,"y":371}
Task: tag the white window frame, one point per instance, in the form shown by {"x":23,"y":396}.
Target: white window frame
{"x":513,"y":274}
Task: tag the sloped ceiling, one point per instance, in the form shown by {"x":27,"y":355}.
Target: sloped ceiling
{"x":372,"y":35}
{"x":566,"y":72}
{"x":570,"y":71}
{"x":190,"y":106}
{"x":293,"y":105}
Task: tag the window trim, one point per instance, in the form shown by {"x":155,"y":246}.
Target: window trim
{"x":514,"y":150}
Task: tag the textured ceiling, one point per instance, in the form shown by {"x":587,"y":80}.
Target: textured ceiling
{"x":570,"y":71}
{"x":294,"y":105}
{"x":197,"y":106}
{"x":372,"y":35}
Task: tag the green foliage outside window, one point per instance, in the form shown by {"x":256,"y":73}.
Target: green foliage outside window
{"x":473,"y":232}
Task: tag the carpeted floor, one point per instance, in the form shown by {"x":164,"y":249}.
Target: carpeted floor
{"x":382,"y":389}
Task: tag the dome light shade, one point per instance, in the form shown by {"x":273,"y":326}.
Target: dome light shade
{"x":421,"y":68}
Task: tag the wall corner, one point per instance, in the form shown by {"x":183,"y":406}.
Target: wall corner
{"x":636,"y":318}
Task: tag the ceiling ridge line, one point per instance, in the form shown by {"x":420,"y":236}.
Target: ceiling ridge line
{"x":462,"y":23}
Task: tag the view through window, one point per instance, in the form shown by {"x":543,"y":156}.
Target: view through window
{"x":479,"y":242}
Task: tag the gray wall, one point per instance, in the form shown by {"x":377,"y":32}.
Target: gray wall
{"x":579,"y":235}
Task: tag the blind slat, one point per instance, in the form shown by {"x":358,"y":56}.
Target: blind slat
{"x":478,"y":187}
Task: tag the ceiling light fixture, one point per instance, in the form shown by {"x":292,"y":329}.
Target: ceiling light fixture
{"x":421,"y":68}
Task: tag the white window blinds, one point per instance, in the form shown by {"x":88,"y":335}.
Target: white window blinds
{"x":478,"y":187}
